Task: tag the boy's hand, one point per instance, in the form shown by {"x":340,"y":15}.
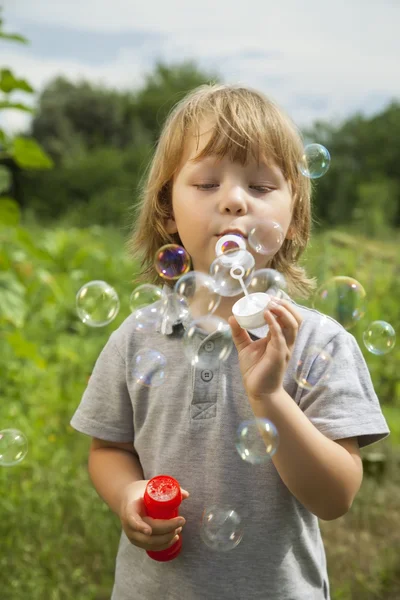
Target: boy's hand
{"x":143,"y":531}
{"x":263,"y":363}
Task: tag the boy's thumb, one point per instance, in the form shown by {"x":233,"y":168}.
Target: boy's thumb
{"x":185,"y":494}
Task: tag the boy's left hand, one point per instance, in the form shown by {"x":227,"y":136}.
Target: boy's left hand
{"x":263,"y":362}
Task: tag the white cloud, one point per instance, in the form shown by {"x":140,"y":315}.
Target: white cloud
{"x":344,"y":54}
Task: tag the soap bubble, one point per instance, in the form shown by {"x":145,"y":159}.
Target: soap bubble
{"x":97,"y":303}
{"x":342,"y":298}
{"x":257,"y":440}
{"x":220,"y":271}
{"x":196,"y":294}
{"x":148,"y":303}
{"x":207,"y":340}
{"x":313,"y":368}
{"x":221,"y":528}
{"x":149,"y":367}
{"x":315,"y":161}
{"x":267,"y":280}
{"x":379,"y":337}
{"x":13,"y":447}
{"x":266,"y":238}
{"x":172,"y":261}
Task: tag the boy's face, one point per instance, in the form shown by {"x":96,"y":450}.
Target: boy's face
{"x":213,"y":196}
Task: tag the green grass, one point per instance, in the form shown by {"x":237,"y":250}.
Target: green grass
{"x":58,"y":539}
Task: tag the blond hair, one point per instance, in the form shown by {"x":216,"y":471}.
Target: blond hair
{"x":245,"y":123}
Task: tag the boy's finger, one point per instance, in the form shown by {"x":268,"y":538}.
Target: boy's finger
{"x":137,"y":524}
{"x":161,"y":526}
{"x":240,"y":336}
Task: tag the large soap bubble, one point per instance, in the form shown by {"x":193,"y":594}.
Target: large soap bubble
{"x":13,"y":447}
{"x":266,"y":238}
{"x":196,"y":295}
{"x":313,"y":368}
{"x":220,"y":271}
{"x":149,"y":367}
{"x":207,"y":341}
{"x":172,"y":261}
{"x":315,"y":161}
{"x":379,"y":337}
{"x":221,"y":528}
{"x":97,"y":303}
{"x":267,"y":280}
{"x":257,"y":440}
{"x":342,"y":298}
{"x":148,"y":304}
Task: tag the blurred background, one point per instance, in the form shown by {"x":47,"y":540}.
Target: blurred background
{"x":84,"y":91}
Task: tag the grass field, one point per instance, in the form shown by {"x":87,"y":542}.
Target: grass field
{"x":58,"y":540}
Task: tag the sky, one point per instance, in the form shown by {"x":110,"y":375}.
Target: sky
{"x":318,"y":60}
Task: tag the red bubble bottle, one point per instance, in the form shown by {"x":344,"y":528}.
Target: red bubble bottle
{"x":162,"y":498}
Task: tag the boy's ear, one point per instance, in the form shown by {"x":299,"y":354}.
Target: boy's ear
{"x":170,"y":225}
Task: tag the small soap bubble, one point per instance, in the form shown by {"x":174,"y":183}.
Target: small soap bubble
{"x":379,"y":337}
{"x":220,"y":271}
{"x":172,"y":261}
{"x":257,"y":440}
{"x":343,"y":299}
{"x":97,"y":303}
{"x":207,"y":341}
{"x":266,"y":238}
{"x":148,"y":303}
{"x":267,"y":280}
{"x":196,"y":295}
{"x":221,"y":528}
{"x":315,"y":161}
{"x":149,"y":367}
{"x":313,"y":368}
{"x":13,"y":447}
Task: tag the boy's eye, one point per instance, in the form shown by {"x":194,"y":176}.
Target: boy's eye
{"x":205,"y":186}
{"x":262,"y":188}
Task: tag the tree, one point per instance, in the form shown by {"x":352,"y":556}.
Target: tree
{"x":16,"y":153}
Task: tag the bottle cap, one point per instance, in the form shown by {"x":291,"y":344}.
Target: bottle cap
{"x":162,"y":495}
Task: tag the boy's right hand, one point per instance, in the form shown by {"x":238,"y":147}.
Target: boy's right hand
{"x":141,"y":530}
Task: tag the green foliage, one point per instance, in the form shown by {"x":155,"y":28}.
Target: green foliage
{"x":19,"y":152}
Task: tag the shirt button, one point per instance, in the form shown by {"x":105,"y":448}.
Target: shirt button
{"x":206,"y":375}
{"x":209,"y":346}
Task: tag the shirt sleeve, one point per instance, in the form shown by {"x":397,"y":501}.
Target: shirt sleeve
{"x":105,"y":411}
{"x":343,"y":402}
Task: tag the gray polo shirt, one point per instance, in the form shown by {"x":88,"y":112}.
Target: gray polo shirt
{"x":186,"y":427}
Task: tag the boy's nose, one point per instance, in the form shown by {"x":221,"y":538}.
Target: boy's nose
{"x":234,"y":202}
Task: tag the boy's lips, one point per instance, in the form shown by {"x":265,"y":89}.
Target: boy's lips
{"x":233,"y":232}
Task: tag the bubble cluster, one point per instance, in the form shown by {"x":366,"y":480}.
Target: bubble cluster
{"x":221,"y":528}
{"x":257,"y":440}
{"x":13,"y":447}
{"x":207,"y":340}
{"x":220,"y":271}
{"x":97,"y":303}
{"x":196,"y":295}
{"x":172,"y":261}
{"x":149,"y":367}
{"x":315,"y":161}
{"x":342,"y":298}
{"x":148,"y":304}
{"x":313,"y":368}
{"x":379,"y":337}
{"x":267,"y":238}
